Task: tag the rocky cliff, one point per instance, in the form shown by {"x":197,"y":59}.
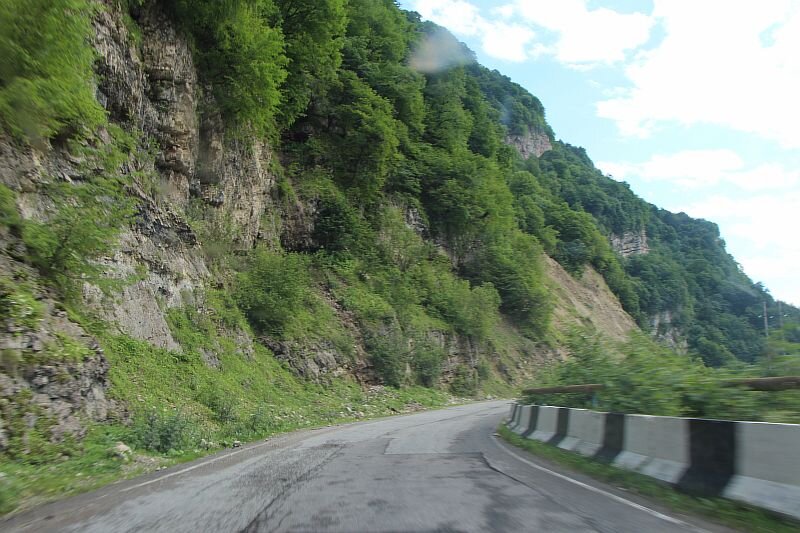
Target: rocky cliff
{"x":149,"y":86}
{"x":533,"y":143}
{"x":630,"y":243}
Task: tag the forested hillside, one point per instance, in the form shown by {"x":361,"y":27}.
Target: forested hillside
{"x":219,"y":220}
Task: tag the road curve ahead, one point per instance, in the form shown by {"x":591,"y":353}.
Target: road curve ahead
{"x":432,"y":471}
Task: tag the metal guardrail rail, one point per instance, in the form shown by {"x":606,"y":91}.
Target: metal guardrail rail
{"x":776,"y":383}
{"x":760,"y":384}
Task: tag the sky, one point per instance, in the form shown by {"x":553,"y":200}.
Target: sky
{"x":694,"y":103}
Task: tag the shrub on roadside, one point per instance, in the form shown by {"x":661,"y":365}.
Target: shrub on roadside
{"x":162,"y":432}
{"x":273,"y":290}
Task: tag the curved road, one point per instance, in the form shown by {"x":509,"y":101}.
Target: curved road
{"x":433,"y":471}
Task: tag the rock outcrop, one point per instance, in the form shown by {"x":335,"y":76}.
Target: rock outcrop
{"x":662,"y":328}
{"x":154,"y":89}
{"x":53,"y":374}
{"x":630,"y":243}
{"x":532,"y":144}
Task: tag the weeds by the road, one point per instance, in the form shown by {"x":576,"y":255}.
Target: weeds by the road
{"x":726,"y":512}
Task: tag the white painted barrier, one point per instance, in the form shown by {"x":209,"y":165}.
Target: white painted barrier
{"x":513,"y":410}
{"x":515,"y":417}
{"x":752,"y":462}
{"x":767,"y":467}
{"x":547,"y":424}
{"x":657,"y":446}
{"x":522,"y":421}
{"x":584,"y":432}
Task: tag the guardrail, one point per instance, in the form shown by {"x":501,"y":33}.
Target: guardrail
{"x":754,"y":462}
{"x":760,"y":384}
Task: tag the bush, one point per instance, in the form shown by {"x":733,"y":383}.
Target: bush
{"x":273,"y":290}
{"x":18,"y":304}
{"x":514,"y":268}
{"x":84,"y":227}
{"x":388,"y":356}
{"x":644,"y":377}
{"x":472,"y":311}
{"x":465,"y":382}
{"x":220,"y":403}
{"x":9,"y":215}
{"x":162,"y":432}
{"x":426,"y":361}
{"x":258,"y":423}
{"x":337,"y":225}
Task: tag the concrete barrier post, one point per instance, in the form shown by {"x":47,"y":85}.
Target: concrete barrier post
{"x":524,"y":419}
{"x":767,"y":467}
{"x":533,"y":421}
{"x":515,"y":418}
{"x":584,"y":431}
{"x":656,"y":446}
{"x":546,"y":424}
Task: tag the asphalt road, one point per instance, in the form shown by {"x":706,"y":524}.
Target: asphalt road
{"x":432,"y":471}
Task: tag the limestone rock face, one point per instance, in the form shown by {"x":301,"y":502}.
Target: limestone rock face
{"x":311,"y":360}
{"x":50,"y":368}
{"x":153,"y":88}
{"x":630,"y":243}
{"x":532,"y":144}
{"x":661,"y":326}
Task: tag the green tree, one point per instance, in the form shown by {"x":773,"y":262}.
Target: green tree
{"x":241,"y":52}
{"x":273,"y":289}
{"x":314,"y":32}
{"x":46,"y":72}
{"x":361,"y":137}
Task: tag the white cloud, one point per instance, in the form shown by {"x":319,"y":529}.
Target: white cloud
{"x":499,"y":39}
{"x":734,"y":64}
{"x":581,"y":37}
{"x":457,"y":16}
{"x":585,"y":36}
{"x":761,"y":232}
{"x":507,"y":41}
{"x":693,"y":169}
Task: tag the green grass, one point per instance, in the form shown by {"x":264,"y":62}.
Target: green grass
{"x":727,"y":512}
{"x":23,"y":484}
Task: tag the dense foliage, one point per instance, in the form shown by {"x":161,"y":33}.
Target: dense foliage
{"x":686,"y":282}
{"x":396,"y":109}
{"x":642,"y":377}
{"x":46,"y":70}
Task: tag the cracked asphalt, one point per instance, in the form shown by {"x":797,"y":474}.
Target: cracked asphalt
{"x":440,"y":471}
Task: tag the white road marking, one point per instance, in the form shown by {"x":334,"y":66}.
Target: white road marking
{"x":614,"y":497}
{"x":190,"y":468}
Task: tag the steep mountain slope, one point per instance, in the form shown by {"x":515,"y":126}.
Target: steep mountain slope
{"x":223,"y":219}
